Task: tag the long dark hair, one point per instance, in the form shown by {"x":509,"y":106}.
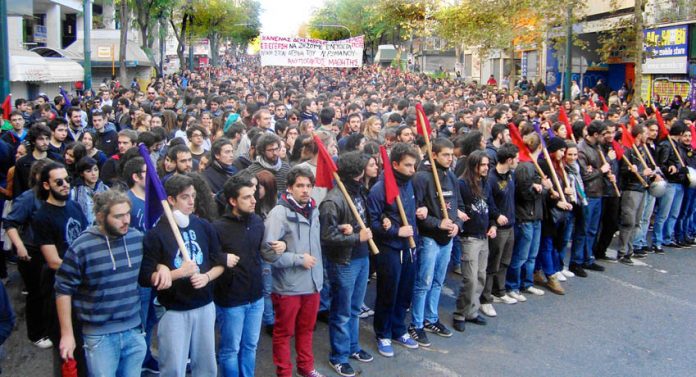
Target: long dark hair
{"x":471,"y":175}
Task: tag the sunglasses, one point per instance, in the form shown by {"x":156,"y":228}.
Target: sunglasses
{"x":61,"y":181}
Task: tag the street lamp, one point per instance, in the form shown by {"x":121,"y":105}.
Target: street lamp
{"x":350,"y":35}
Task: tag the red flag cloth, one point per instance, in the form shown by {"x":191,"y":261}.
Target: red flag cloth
{"x":516,"y":139}
{"x":325,"y":166}
{"x":632,"y":121}
{"x":661,"y":123}
{"x":7,"y":107}
{"x":592,"y":103}
{"x":627,"y":139}
{"x":618,"y":149}
{"x":693,"y":136}
{"x":391,"y":189}
{"x":605,"y":108}
{"x":563,"y":118}
{"x":641,"y":110}
{"x":586,"y":118}
{"x":422,"y":119}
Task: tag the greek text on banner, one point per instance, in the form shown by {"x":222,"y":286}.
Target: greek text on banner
{"x":306,"y":52}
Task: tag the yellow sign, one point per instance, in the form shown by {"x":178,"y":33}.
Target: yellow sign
{"x":104,"y":51}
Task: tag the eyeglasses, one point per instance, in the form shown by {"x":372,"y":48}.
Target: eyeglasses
{"x":293,"y":118}
{"x":272,"y":150}
{"x":61,"y":181}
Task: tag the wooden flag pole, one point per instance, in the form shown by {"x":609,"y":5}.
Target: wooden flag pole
{"x":356,"y":214}
{"x":554,"y":176}
{"x":642,"y":181}
{"x":647,"y":151}
{"x":175,"y":230}
{"x":674,"y":148}
{"x":404,"y":220}
{"x":604,"y":161}
{"x":640,"y":157}
{"x":436,"y":177}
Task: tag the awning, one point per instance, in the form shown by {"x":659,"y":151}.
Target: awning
{"x":27,"y":66}
{"x":103,"y":42}
{"x":64,"y":70}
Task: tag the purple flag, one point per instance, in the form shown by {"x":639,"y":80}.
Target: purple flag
{"x":65,"y":96}
{"x":154,"y":191}
{"x":538,"y":131}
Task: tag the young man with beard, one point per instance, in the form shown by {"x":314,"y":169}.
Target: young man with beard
{"x":293,"y":247}
{"x":640,"y":241}
{"x":238,"y":292}
{"x":187,"y":328}
{"x":345,"y":248}
{"x":74,"y":124}
{"x":57,"y":224}
{"x":476,"y":194}
{"x":109,"y":171}
{"x":39,"y":138}
{"x":107,"y":139}
{"x":268,"y":158}
{"x":99,"y":278}
{"x":396,"y":261}
{"x":611,"y":200}
{"x":221,"y":168}
{"x":435,"y":245}
{"x":59,"y":134}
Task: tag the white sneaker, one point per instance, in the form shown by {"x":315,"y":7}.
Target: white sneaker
{"x":488,"y":310}
{"x":560,"y":277}
{"x":516,"y":296}
{"x":534,"y":291}
{"x":567,"y":273}
{"x":44,"y":343}
{"x":506,"y":299}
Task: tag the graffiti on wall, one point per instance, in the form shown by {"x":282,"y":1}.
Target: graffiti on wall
{"x":666,"y":88}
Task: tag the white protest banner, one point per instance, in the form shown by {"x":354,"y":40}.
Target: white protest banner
{"x":305,"y":52}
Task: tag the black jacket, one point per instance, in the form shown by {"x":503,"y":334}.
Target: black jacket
{"x":241,"y":236}
{"x":629,"y":181}
{"x":666,"y":158}
{"x":528,"y":202}
{"x":334,"y":211}
{"x":426,"y":195}
{"x":216,"y":176}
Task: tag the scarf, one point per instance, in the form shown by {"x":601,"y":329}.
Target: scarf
{"x":401,"y":179}
{"x":304,"y":210}
{"x":268,"y":166}
{"x":228,"y":169}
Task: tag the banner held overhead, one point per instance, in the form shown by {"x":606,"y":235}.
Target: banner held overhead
{"x":306,"y":52}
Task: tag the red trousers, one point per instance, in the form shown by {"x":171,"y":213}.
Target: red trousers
{"x":294,"y":316}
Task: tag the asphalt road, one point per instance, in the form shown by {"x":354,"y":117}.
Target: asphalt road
{"x":626,"y":321}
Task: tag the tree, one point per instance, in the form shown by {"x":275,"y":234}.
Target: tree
{"x":250,"y":26}
{"x":123,"y":43}
{"x":181,"y":14}
{"x":147,"y":15}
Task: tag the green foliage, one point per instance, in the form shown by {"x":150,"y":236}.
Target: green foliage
{"x":357,"y":16}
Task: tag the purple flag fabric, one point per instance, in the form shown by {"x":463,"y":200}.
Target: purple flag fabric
{"x":154,"y":191}
{"x":538,"y":131}
{"x":65,"y":96}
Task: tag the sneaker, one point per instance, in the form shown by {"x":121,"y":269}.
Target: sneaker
{"x":533,"y":291}
{"x":419,"y":336}
{"x":365,"y":311}
{"x":44,"y":343}
{"x":362,"y":356}
{"x":593,"y":267}
{"x":658,"y":250}
{"x":560,"y":277}
{"x":343,"y":369}
{"x":313,"y":373}
{"x":517,"y":296}
{"x":406,"y":341}
{"x":626,"y":260}
{"x":437,"y":328}
{"x":578,"y":270}
{"x":566,"y":272}
{"x":384,"y":347}
{"x":505,"y":299}
{"x":554,"y":286}
{"x":488,"y":310}
{"x":457,"y":270}
{"x":151,"y":367}
{"x":458,"y":325}
{"x":672,"y":245}
{"x":639,"y":254}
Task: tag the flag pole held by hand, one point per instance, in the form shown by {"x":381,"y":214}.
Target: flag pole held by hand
{"x":425,"y":129}
{"x":391,"y":191}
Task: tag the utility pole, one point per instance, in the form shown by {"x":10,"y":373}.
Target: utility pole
{"x":87,"y":64}
{"x":568,"y":57}
{"x":5,"y":51}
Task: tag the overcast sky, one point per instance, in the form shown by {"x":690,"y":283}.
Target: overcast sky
{"x":283,"y":17}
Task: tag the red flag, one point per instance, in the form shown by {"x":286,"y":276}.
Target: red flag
{"x":618,"y":149}
{"x":632,"y":121}
{"x":693,"y":136}
{"x":641,"y":110}
{"x":586,"y":118}
{"x":563,"y":118}
{"x":7,"y":107}
{"x":627,"y":139}
{"x":592,"y":103}
{"x":391,"y":190}
{"x":661,"y":123}
{"x":421,"y":120}
{"x":325,"y":166}
{"x":605,"y":108}
{"x":516,"y":139}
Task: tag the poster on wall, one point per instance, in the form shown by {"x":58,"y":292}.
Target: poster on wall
{"x":666,"y":49}
{"x":305,"y":52}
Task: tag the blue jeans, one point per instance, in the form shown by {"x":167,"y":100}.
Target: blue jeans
{"x":559,"y":258}
{"x":667,"y":211}
{"x":240,"y":328}
{"x":325,"y":293}
{"x":585,"y":237}
{"x":267,"y":275}
{"x":117,"y":354}
{"x":641,"y":238}
{"x":527,"y":239}
{"x":687,"y":211}
{"x":395,"y":274}
{"x":547,"y":253}
{"x":456,"y":252}
{"x":148,"y":318}
{"x":431,"y":270}
{"x":348,"y":286}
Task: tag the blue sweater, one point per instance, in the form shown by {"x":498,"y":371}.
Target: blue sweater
{"x":378,"y":209}
{"x":101,"y":275}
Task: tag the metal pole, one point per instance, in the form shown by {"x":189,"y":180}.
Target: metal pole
{"x":5,"y":51}
{"x":568,"y":57}
{"x":87,"y":65}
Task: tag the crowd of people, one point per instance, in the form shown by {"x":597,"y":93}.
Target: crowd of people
{"x":515,"y":191}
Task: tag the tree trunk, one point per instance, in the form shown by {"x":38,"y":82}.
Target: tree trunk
{"x":513,"y":74}
{"x":179,"y":37}
{"x":123,"y":75}
{"x":638,"y":68}
{"x":213,"y":48}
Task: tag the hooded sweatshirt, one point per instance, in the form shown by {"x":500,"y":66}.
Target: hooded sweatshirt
{"x":101,"y":275}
